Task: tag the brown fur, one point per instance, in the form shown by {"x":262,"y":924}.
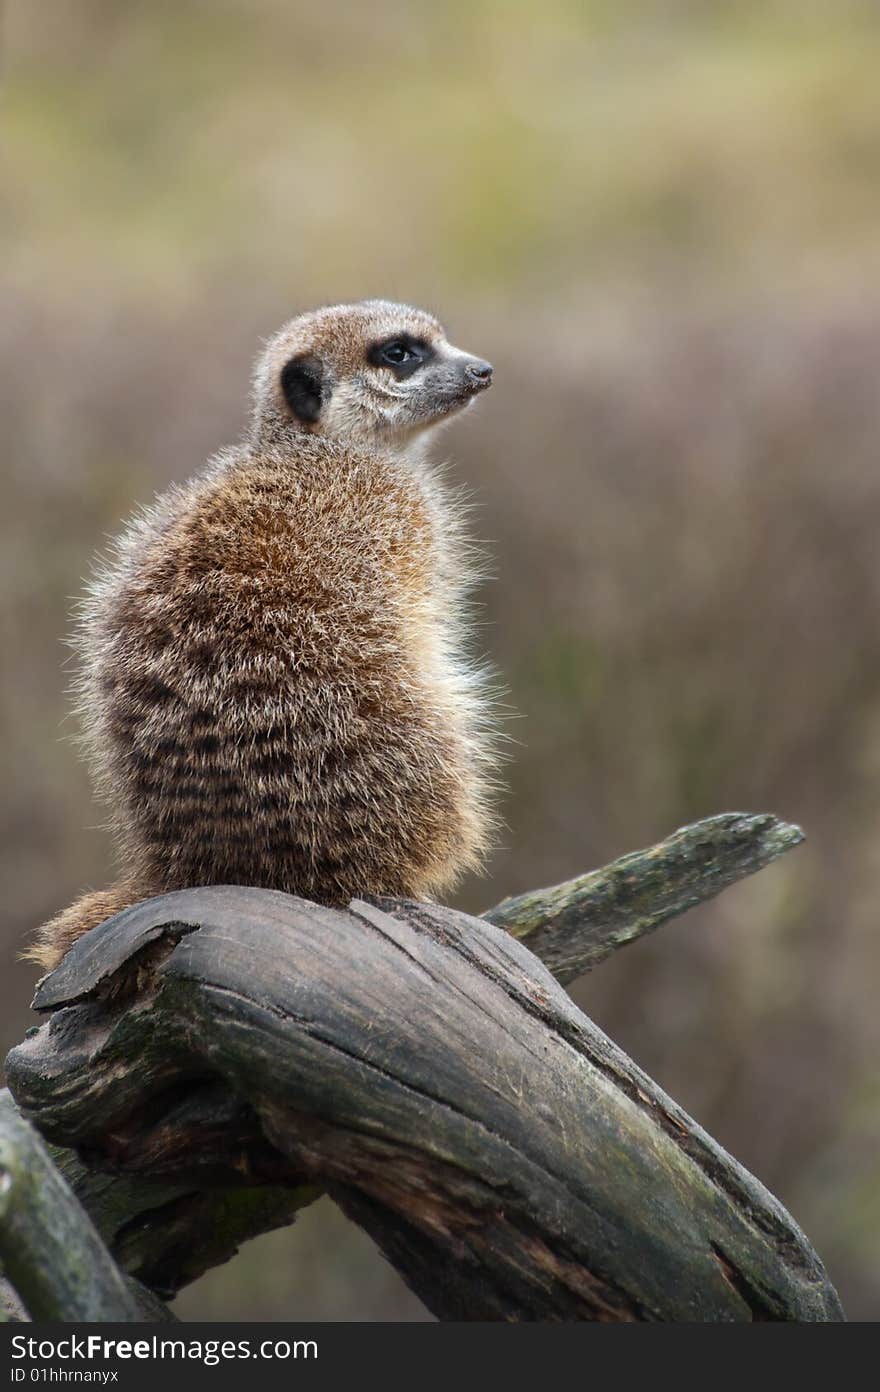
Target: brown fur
{"x":273,"y":685}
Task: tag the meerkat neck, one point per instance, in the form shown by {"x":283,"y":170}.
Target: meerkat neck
{"x":275,"y":433}
{"x":416,"y":453}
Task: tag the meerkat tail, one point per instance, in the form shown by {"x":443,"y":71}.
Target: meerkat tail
{"x":57,"y":936}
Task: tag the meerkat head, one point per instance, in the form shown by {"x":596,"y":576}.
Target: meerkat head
{"x":374,"y":373}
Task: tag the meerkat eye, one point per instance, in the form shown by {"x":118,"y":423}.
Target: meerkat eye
{"x":403,"y":354}
{"x":397,"y":353}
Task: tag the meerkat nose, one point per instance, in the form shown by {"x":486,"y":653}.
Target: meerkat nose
{"x":478,"y":372}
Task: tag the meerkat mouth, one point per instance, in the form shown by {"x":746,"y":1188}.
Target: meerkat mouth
{"x":464,"y":397}
{"x":453,"y":406}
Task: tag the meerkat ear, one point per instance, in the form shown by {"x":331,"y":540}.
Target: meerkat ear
{"x":304,"y":386}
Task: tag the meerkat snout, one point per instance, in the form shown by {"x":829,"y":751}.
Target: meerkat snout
{"x":480,"y":374}
{"x":376,"y":372}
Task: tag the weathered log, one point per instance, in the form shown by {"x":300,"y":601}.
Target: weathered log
{"x":167,"y":1234}
{"x":425,"y":1069}
{"x":49,"y":1248}
{"x":12,"y":1310}
{"x":574,"y":926}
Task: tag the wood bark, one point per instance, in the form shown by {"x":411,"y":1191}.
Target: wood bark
{"x":50,"y":1251}
{"x":574,"y":926}
{"x":217,"y":1057}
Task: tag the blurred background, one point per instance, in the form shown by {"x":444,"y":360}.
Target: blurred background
{"x":661,"y":222}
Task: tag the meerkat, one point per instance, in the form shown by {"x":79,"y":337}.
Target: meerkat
{"x":275,"y":688}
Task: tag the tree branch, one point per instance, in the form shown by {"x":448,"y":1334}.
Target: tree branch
{"x":11,"y":1309}
{"x":425,"y":1069}
{"x":167,"y":1233}
{"x":574,"y":926}
{"x":49,"y":1248}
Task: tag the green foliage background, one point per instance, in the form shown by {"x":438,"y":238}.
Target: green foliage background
{"x":660,"y":221}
